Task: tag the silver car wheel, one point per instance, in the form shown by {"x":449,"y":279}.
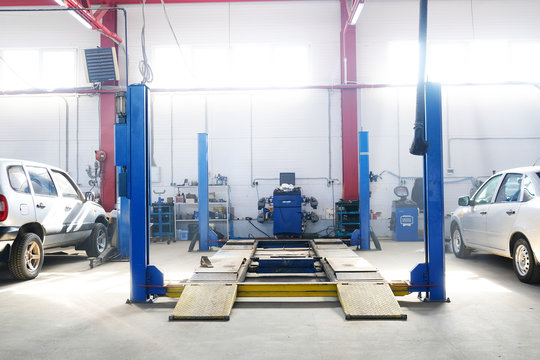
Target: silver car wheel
{"x":32,"y":256}
{"x":522,"y":260}
{"x":101,"y":241}
{"x":456,"y":239}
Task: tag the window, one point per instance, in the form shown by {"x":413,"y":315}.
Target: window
{"x":239,"y":65}
{"x":485,"y":194}
{"x":41,"y":181}
{"x":528,"y":189}
{"x":58,"y":69}
{"x":403,"y":62}
{"x":489,"y":61}
{"x":510,"y":188}
{"x":465,"y":62}
{"x":524,"y":58}
{"x":20,"y":69}
{"x":172,"y":68}
{"x":17,"y":179}
{"x":38,"y":69}
{"x":65,"y":185}
{"x":447,"y":63}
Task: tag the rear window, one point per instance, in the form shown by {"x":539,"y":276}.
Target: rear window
{"x":17,"y":179}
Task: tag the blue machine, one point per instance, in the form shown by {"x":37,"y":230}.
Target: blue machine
{"x":287,"y":212}
{"x":404,"y":219}
{"x":287,"y":201}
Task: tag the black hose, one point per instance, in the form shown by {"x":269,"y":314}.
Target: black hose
{"x":419,"y":145}
{"x":249,"y":221}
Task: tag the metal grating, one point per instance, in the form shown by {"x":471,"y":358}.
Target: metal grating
{"x":101,"y":64}
{"x":368,"y":301}
{"x":205,"y":302}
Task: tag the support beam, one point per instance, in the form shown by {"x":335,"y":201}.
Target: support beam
{"x":133,"y":161}
{"x":434,"y":194}
{"x":107,"y":120}
{"x":363,"y":142}
{"x":203,"y":192}
{"x":429,"y":276}
{"x":349,"y":107}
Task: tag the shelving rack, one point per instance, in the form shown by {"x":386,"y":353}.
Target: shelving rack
{"x":347,"y":217}
{"x":162,"y":219}
{"x":186,"y":213}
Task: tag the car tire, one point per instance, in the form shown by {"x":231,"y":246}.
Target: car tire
{"x":97,"y":241}
{"x":524,"y":261}
{"x":458,"y":247}
{"x":26,"y":258}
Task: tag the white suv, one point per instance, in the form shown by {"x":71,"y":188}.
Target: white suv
{"x":41,"y":207}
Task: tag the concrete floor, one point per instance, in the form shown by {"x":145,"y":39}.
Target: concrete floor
{"x":71,"y":311}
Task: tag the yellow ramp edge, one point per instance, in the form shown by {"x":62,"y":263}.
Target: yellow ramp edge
{"x":368,"y":301}
{"x":205,"y":302}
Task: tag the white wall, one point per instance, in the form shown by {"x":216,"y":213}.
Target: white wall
{"x":34,"y":128}
{"x":288,"y":130}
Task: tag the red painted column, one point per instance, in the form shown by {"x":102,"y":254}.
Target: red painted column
{"x":349,"y":108}
{"x":107,"y":120}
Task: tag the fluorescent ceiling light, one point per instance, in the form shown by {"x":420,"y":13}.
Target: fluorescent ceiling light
{"x":80,"y":19}
{"x":357,"y":12}
{"x":75,"y":15}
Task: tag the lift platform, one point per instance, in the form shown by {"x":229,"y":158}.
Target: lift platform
{"x":284,"y":268}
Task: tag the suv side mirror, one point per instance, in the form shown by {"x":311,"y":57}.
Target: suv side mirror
{"x":89,"y":196}
{"x":464,"y":201}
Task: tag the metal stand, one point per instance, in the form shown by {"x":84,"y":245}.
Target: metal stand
{"x":203,"y":191}
{"x":132,"y":135}
{"x":363,"y":176}
{"x":428,"y":277}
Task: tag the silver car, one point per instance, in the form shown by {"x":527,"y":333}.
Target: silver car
{"x":41,"y":208}
{"x":502,"y":218}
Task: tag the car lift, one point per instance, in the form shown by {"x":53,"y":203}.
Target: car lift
{"x":242,"y":268}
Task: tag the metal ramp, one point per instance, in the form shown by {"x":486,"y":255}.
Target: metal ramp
{"x":368,"y":301}
{"x":324,"y":268}
{"x":205,"y":302}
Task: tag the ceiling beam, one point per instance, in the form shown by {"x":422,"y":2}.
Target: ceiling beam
{"x":122,"y":2}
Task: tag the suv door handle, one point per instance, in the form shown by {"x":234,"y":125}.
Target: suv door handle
{"x":510,"y":212}
{"x":40,"y":205}
{"x":68,"y":208}
{"x":483,"y":212}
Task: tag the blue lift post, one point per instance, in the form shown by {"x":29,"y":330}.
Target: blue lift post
{"x":132,"y":147}
{"x":429,"y":276}
{"x":363,"y":176}
{"x":203,"y":192}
